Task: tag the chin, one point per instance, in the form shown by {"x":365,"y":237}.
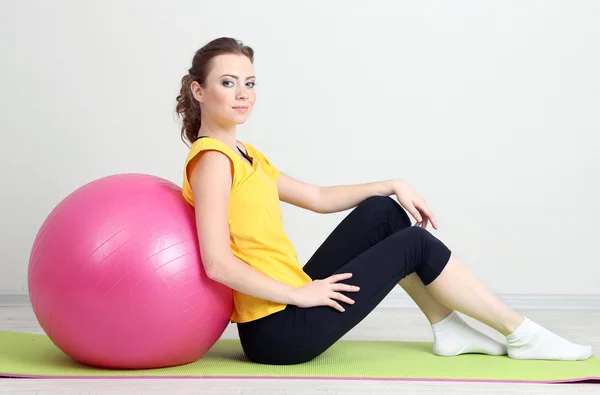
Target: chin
{"x":239,"y":121}
{"x":241,"y":118}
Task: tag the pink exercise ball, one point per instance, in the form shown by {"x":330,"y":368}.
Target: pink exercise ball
{"x":116,"y":281}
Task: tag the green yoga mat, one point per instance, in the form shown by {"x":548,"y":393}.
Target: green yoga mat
{"x":31,"y":355}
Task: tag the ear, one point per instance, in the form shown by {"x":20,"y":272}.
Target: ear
{"x":197,"y":91}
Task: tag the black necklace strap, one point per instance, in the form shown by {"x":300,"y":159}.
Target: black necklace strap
{"x":244,"y":154}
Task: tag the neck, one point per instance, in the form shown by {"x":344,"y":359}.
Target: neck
{"x":225,"y":134}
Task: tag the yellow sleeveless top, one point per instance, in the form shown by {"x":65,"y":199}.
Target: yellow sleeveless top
{"x":256,"y":229}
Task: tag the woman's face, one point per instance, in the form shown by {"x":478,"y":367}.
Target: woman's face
{"x":228,"y":94}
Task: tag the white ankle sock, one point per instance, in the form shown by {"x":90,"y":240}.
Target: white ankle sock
{"x":532,"y":341}
{"x":453,"y":336}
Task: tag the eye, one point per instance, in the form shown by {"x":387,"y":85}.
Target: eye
{"x":224,"y":82}
{"x":253,"y":84}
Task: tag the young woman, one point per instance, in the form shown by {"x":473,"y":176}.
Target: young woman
{"x":288,"y":313}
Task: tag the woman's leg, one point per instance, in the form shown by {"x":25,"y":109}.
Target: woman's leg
{"x":433,"y":310}
{"x":370,"y":222}
{"x":457,"y":287}
{"x":297,"y":335}
{"x":452,"y":335}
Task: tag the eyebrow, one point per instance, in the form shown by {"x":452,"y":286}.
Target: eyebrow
{"x":235,"y":76}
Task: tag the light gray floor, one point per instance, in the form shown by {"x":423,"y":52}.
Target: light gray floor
{"x":383,"y":324}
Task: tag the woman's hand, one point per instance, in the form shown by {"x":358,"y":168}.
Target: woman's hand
{"x":414,"y":204}
{"x":325,"y":292}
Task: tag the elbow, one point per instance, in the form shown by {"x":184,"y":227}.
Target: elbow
{"x":320,"y":210}
{"x":319,"y":201}
{"x":212,"y":274}
{"x":215,"y":269}
{"x":217,"y":274}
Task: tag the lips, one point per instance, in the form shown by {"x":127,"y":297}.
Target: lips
{"x":241,"y":107}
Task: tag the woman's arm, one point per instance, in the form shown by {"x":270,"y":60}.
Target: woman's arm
{"x":330,"y":199}
{"x":210,"y":179}
{"x":336,"y":198}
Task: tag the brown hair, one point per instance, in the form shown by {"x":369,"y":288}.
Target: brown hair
{"x":188,"y":107}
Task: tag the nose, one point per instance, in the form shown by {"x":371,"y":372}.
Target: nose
{"x":242,"y":92}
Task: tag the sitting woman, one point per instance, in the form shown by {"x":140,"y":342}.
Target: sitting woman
{"x":287,"y":313}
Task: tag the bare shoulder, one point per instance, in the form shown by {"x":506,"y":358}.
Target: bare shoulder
{"x":209,"y":167}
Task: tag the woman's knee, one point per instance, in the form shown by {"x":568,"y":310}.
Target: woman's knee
{"x":376,"y":202}
{"x":386,"y":208}
{"x":423,"y":236}
{"x":431,"y":253}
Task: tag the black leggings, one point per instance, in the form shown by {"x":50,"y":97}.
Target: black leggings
{"x":378,"y":245}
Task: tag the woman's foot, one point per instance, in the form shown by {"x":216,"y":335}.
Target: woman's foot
{"x":453,"y":336}
{"x":532,"y":341}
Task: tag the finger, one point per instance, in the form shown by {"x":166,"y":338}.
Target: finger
{"x":345,"y":287}
{"x":433,"y":222}
{"x":428,"y":214}
{"x":415,"y":213}
{"x":339,"y":277}
{"x":336,"y":305}
{"x":342,"y":298}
